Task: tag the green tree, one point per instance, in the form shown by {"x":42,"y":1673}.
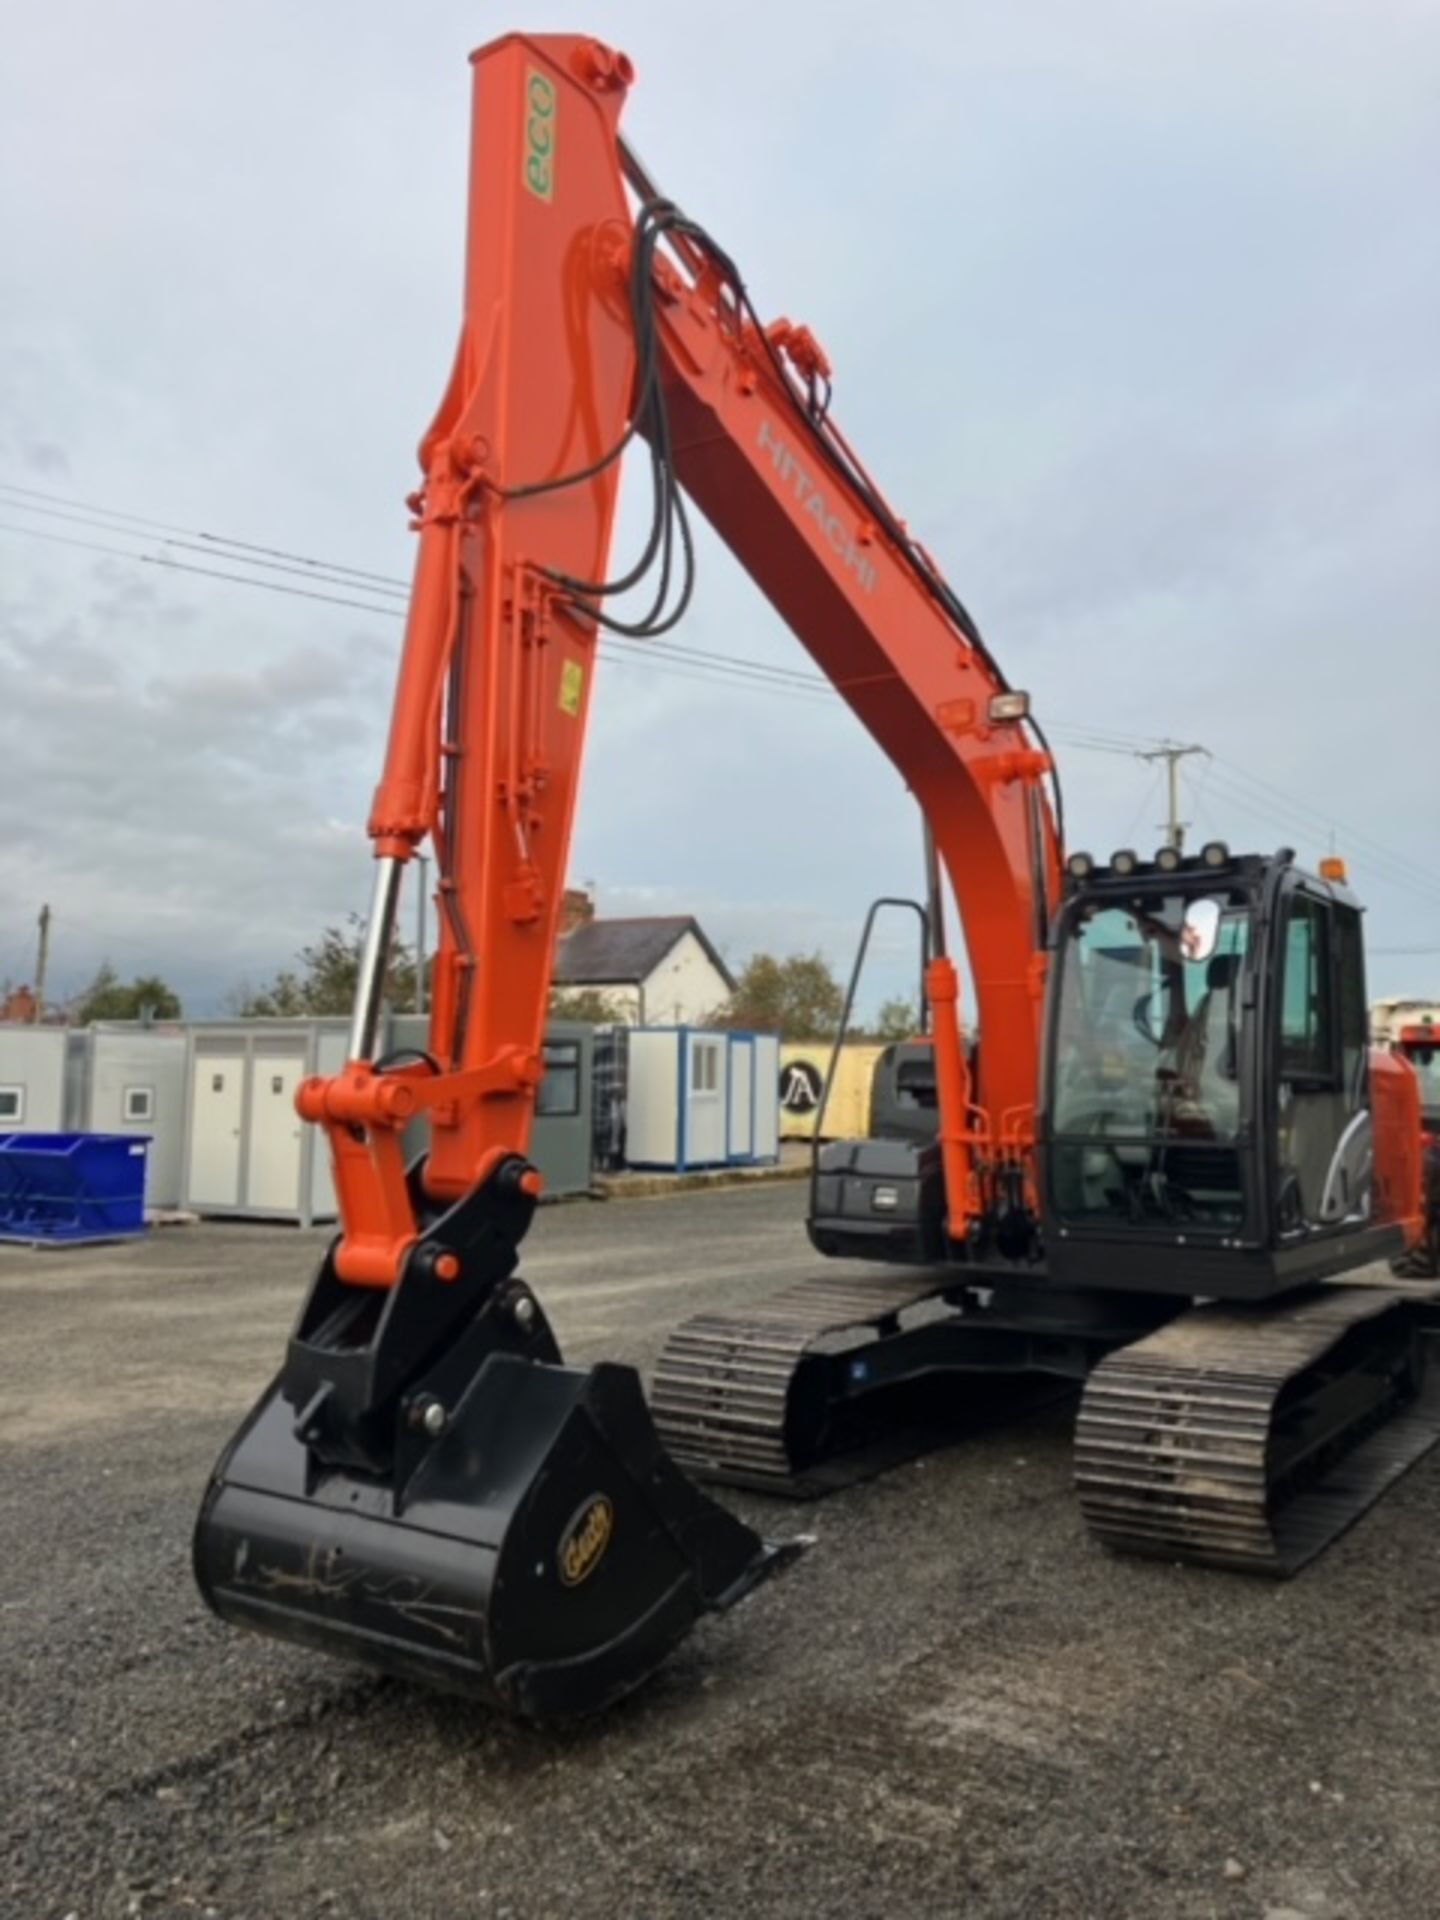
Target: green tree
{"x":108,"y":997}
{"x":798,"y":997}
{"x":326,"y":978}
{"x":897,"y":1020}
{"x":591,"y":1007}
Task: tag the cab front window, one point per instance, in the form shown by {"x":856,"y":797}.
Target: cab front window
{"x":1146,"y":1108}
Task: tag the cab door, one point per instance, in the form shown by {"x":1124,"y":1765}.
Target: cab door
{"x":1324,"y":1138}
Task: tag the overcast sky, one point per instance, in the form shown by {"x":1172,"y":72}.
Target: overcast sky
{"x":1134,"y":308}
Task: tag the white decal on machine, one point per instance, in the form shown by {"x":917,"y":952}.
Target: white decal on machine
{"x":831,"y":527}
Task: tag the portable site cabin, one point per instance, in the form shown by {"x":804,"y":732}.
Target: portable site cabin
{"x":32,"y":1079}
{"x":699,"y":1097}
{"x":125,"y":1078}
{"x":117,"y":1077}
{"x":609,"y":1094}
{"x":247,"y":1151}
{"x":560,"y":1139}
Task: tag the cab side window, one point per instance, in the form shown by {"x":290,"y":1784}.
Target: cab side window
{"x":1350,"y":992}
{"x":1308,"y":1052}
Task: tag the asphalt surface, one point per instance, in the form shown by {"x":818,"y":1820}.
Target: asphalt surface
{"x":954,"y":1704}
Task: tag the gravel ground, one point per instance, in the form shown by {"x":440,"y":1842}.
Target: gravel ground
{"x":954,"y":1704}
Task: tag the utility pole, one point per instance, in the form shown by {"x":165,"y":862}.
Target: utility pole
{"x":1172,"y":755}
{"x":42,"y":963}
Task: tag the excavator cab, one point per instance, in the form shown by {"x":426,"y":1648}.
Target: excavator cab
{"x":1208,"y":1085}
{"x":1209,"y":1105}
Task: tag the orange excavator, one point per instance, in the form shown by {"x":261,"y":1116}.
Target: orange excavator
{"x":1172,"y":1096}
{"x":1411,"y":1028}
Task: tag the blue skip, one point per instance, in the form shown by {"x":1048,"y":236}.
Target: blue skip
{"x":66,"y":1189}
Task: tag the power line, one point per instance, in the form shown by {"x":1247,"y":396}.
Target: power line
{"x":1271,"y":804}
{"x":1293,"y":817}
{"x":1296,"y":817}
{"x":1152,"y":787}
{"x":710,"y":666}
{"x":728,"y":663}
{"x":215,"y":549}
{"x":183,"y":566}
{"x":681,"y":670}
{"x":1093,"y":746}
{"x":85,"y":506}
{"x":55,"y":500}
{"x":1198,"y":787}
{"x":1352,"y":836}
{"x":1108,"y":739}
{"x":1398,"y":869}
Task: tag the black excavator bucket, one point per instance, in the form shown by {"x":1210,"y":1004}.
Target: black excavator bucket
{"x":497,"y":1524}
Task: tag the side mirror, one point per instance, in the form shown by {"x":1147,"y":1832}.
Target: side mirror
{"x":1200,"y":930}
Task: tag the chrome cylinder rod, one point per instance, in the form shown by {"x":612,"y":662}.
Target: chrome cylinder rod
{"x":375,"y":959}
{"x":933,"y":941}
{"x":934,"y":900}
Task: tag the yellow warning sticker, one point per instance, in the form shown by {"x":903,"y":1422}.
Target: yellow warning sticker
{"x":572,"y":685}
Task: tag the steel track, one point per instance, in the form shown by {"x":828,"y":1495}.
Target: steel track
{"x":1251,"y":1437}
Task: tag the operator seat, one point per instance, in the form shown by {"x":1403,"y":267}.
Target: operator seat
{"x":1219,"y":1033}
{"x":1205,"y":1057}
{"x":1206,"y":1164}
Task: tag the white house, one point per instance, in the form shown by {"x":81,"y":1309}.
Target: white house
{"x":653,"y":972}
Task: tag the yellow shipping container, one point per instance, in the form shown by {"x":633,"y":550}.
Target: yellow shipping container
{"x":803,"y":1066}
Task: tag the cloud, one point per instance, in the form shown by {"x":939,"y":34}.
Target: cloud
{"x":1133,"y":312}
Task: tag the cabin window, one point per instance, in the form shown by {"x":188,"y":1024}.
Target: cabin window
{"x":1307,"y":1018}
{"x":559,"y":1095}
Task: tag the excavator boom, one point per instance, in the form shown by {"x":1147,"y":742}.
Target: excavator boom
{"x":587,"y":325}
